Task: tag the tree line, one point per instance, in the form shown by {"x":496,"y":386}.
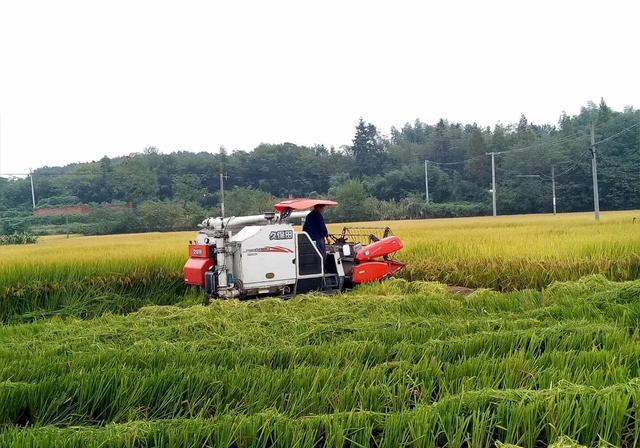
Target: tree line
{"x":375,"y":177}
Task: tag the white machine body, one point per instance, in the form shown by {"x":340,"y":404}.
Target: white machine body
{"x":265,"y":256}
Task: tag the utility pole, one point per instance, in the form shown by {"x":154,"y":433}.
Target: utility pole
{"x":594,"y":175}
{"x":221,"y":192}
{"x":222,"y":160}
{"x":553,"y":187}
{"x":426,"y":181}
{"x":33,"y":193}
{"x":493,"y":180}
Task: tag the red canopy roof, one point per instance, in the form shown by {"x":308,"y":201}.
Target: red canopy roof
{"x":302,"y":204}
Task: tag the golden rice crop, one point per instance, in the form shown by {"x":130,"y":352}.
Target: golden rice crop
{"x":517,"y":252}
{"x":503,"y":252}
{"x":57,"y":258}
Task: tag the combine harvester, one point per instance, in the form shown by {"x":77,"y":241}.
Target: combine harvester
{"x":263,"y":255}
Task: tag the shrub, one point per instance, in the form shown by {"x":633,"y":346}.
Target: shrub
{"x":18,"y":238}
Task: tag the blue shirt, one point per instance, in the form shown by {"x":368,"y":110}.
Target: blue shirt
{"x":314,"y":225}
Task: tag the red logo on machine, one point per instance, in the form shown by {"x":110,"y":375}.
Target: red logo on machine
{"x":271,"y":249}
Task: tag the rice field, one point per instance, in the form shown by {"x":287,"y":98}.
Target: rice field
{"x":60,"y":275}
{"x":101,"y":345}
{"x":504,"y":253}
{"x":398,"y":364}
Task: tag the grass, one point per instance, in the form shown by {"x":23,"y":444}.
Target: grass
{"x":401,"y":364}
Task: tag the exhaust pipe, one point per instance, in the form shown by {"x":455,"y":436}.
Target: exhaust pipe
{"x":229,"y":293}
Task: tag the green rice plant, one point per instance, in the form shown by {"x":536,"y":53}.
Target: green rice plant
{"x":89,"y":297}
{"x":410,"y":369}
{"x":482,"y":428}
{"x":354,"y":428}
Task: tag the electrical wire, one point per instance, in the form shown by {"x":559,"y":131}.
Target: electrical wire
{"x":617,"y":134}
{"x":50,"y":174}
{"x":431,"y":162}
{"x":576,"y":163}
{"x":562,"y":140}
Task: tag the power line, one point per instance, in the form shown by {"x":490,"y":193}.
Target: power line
{"x":594,"y":165}
{"x":554,"y":175}
{"x":51,"y":174}
{"x":453,"y":163}
{"x":562,"y":140}
{"x":616,"y":134}
{"x":575,"y":163}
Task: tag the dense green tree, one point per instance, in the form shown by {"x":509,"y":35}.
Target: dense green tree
{"x":524,"y":131}
{"x":188,"y":188}
{"x":604,"y":112}
{"x":163,"y":215}
{"x":80,"y":181}
{"x":367,"y":150}
{"x":354,"y":202}
{"x":135,"y":180}
{"x":478,"y":168}
{"x":442,"y":144}
{"x":103,"y":186}
{"x":246,"y":201}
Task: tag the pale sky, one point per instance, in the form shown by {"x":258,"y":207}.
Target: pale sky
{"x":83,"y":79}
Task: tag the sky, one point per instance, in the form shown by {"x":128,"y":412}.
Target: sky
{"x":83,"y":79}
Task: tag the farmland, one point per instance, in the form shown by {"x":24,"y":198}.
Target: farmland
{"x":474,"y":252}
{"x":403,"y":363}
{"x":548,"y":350}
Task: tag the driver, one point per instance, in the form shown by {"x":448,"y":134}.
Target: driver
{"x":314,"y":225}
